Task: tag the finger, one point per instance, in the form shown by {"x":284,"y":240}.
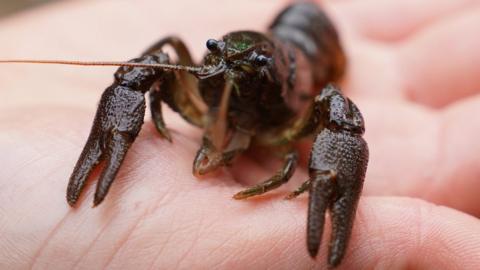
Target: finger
{"x":441,"y":64}
{"x":394,"y":20}
{"x":456,"y":178}
{"x":389,"y":233}
{"x":401,"y":233}
{"x":423,"y":153}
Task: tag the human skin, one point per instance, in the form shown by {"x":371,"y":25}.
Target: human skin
{"x":413,"y":71}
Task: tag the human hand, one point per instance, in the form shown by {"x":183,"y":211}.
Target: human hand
{"x":157,"y":215}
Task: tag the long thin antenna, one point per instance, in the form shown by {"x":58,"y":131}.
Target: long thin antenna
{"x":102,"y":63}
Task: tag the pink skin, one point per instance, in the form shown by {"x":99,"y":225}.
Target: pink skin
{"x":414,"y":73}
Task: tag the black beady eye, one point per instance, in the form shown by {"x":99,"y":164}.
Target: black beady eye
{"x":261,"y":60}
{"x":212,"y":45}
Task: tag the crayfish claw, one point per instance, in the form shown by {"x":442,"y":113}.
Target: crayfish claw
{"x":337,"y":166}
{"x":117,"y":123}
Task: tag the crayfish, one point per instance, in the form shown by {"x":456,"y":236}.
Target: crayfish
{"x":252,"y":89}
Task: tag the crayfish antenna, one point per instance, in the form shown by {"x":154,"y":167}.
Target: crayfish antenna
{"x":191,"y":69}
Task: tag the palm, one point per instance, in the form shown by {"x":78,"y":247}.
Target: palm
{"x":158,"y":215}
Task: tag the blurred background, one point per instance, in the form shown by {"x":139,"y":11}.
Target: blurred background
{"x":8,"y":7}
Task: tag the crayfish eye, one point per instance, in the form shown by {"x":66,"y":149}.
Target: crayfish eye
{"x":261,"y":60}
{"x":212,"y":45}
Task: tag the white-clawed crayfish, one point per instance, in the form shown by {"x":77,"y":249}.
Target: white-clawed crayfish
{"x":251,"y":89}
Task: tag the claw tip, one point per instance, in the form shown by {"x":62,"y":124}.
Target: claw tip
{"x":97,"y":201}
{"x":71,"y":200}
{"x":313,"y":254}
{"x":238,"y":196}
{"x":71,"y":203}
{"x":334,"y":260}
{"x":313,"y":249}
{"x":168,"y":138}
{"x":165,"y":134}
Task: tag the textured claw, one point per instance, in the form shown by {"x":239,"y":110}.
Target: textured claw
{"x":337,"y":168}
{"x":346,"y":154}
{"x":117,"y":122}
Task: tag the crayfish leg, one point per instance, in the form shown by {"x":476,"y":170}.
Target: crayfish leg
{"x":177,"y":88}
{"x":301,"y":189}
{"x":280,"y":178}
{"x":155,"y":99}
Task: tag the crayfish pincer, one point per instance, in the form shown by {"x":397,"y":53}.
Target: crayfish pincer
{"x":251,"y":89}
